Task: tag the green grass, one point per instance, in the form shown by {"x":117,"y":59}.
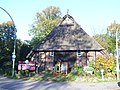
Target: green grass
{"x":47,"y":76}
{"x":73,"y":76}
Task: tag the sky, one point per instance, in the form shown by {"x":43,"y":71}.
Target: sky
{"x":93,"y":15}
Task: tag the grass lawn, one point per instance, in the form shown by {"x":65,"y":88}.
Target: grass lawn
{"x":60,"y":77}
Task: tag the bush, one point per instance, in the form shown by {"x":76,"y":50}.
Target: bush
{"x":92,"y":63}
{"x":8,"y":72}
{"x":1,"y":71}
{"x":105,"y":63}
{"x":20,"y":74}
{"x":97,"y":73}
{"x":71,"y":77}
{"x":27,"y":73}
{"x":79,"y":69}
{"x":6,"y":69}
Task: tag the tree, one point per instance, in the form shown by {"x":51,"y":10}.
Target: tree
{"x":111,"y":30}
{"x":45,"y":21}
{"x":24,"y":50}
{"x":6,"y":48}
{"x":6,"y":40}
{"x":106,"y":42}
{"x":6,"y":43}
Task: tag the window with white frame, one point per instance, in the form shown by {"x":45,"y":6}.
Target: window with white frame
{"x":78,"y":53}
{"x":52,"y":53}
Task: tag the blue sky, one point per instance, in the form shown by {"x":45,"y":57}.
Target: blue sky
{"x":93,"y":15}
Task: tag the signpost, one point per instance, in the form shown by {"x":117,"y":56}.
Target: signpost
{"x":117,"y":61}
{"x":14,"y":47}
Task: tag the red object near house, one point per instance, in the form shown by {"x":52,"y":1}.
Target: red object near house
{"x":26,"y":66}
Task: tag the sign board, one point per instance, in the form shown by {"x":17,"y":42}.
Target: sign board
{"x":22,"y":65}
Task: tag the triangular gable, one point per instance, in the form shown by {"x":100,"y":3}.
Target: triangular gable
{"x":68,"y":35}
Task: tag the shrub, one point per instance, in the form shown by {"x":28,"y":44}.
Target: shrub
{"x":7,"y":68}
{"x":105,"y":63}
{"x":92,"y":63}
{"x":97,"y":73}
{"x":71,"y":77}
{"x":8,"y":72}
{"x":27,"y":73}
{"x":79,"y":69}
{"x":1,"y":71}
{"x":20,"y":74}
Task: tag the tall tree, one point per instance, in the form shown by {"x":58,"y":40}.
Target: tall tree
{"x":44,"y":22}
{"x":24,"y":50}
{"x":111,"y":30}
{"x":6,"y":40}
{"x":6,"y":43}
{"x":106,"y":42}
{"x":6,"y":48}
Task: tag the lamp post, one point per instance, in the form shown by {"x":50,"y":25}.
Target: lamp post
{"x":14,"y":47}
{"x":117,"y":61}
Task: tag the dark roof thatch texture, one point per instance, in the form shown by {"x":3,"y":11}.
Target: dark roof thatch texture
{"x":68,"y":35}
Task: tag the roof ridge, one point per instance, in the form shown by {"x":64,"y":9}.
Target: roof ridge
{"x":63,"y":35}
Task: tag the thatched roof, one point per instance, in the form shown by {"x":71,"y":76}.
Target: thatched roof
{"x":68,"y":35}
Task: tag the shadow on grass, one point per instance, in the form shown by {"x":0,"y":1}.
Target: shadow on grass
{"x":47,"y":76}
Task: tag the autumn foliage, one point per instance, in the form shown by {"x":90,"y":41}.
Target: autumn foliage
{"x":106,"y":63}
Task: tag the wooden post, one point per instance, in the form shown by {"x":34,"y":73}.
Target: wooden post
{"x":36,"y":60}
{"x":66,"y":68}
{"x":45,"y":62}
{"x":86,"y":58}
{"x":53,"y":58}
{"x":95,"y":57}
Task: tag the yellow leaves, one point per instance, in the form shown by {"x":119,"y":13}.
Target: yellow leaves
{"x":113,"y":26}
{"x":104,"y":62}
{"x":9,"y":23}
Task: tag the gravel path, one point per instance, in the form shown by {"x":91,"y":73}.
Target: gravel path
{"x":12,"y":84}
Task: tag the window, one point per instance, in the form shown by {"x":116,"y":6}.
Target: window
{"x":52,"y":53}
{"x":78,"y":53}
